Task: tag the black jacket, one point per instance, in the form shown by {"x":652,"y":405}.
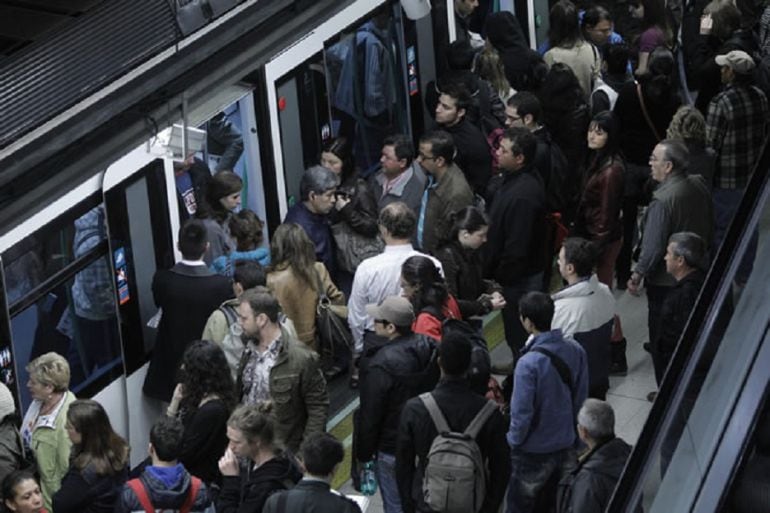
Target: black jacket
{"x":522,"y":64}
{"x":676,"y":309}
{"x":248,"y":492}
{"x":187,"y":295}
{"x":391,"y":374}
{"x":516,"y":239}
{"x":310,"y":496}
{"x":589,"y":487}
{"x":361,"y":213}
{"x":459,"y":405}
{"x":464,"y":276}
{"x":84,"y":491}
{"x":473,"y":156}
{"x":162,"y":496}
{"x":205,"y":440}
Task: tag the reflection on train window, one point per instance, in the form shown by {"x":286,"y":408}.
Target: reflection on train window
{"x":47,"y":252}
{"x":368,"y":102}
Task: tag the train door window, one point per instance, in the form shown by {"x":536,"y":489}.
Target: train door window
{"x":366,"y":85}
{"x":59,"y":285}
{"x":140,"y":243}
{"x":303,"y":116}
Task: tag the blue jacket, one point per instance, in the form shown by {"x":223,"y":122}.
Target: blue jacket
{"x":318,"y":229}
{"x":543,"y":414}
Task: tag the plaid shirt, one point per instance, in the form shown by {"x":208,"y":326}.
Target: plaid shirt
{"x":735,"y":128}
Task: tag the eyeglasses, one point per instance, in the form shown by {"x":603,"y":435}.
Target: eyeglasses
{"x":425,"y":157}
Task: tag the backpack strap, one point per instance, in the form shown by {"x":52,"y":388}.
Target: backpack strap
{"x":561,"y":367}
{"x":230,"y":314}
{"x":137,"y":486}
{"x":480,"y":419}
{"x":195,"y":485}
{"x":435,"y":413}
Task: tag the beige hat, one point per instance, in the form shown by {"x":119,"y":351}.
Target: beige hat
{"x":7,"y":406}
{"x":738,"y":60}
{"x":394,"y":309}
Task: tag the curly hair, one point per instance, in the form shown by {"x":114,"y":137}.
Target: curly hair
{"x":430,"y":288}
{"x":204,"y":371}
{"x":246,"y":227}
{"x":688,"y":124}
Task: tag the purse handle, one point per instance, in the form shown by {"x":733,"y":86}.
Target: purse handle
{"x":644,"y":110}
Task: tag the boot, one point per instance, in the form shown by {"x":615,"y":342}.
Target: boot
{"x":618,"y":364}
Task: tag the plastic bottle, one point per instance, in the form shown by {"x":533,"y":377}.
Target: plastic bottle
{"x":368,"y":479}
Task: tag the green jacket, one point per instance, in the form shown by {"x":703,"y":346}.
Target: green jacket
{"x":298,"y":390}
{"x":51,"y":447}
{"x":450,"y":194}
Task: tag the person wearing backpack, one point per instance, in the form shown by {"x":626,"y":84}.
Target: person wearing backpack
{"x":391,"y":374}
{"x":471,"y":483}
{"x":550,"y":384}
{"x":165,"y":485}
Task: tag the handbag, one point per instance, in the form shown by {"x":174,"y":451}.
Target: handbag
{"x":352,"y":247}
{"x":331,"y":328}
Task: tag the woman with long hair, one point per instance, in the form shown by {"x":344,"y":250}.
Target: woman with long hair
{"x":223,"y":195}
{"x":463,"y":267}
{"x":355,"y":208}
{"x":98,"y":464}
{"x":21,"y":493}
{"x":297,"y":279}
{"x":599,"y":210}
{"x":656,"y":31}
{"x":203,"y":400}
{"x":569,"y":47}
{"x":489,"y":66}
{"x":251,"y":431}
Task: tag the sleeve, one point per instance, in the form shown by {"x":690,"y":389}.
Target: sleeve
{"x":10,"y":457}
{"x":271,"y":504}
{"x":522,"y":402}
{"x":405,"y":457}
{"x":716,"y":126}
{"x":599,"y":102}
{"x":229,"y":495}
{"x":336,"y":296}
{"x":583,"y":497}
{"x":498,"y":462}
{"x":125,"y":501}
{"x":426,"y":324}
{"x":316,"y":397}
{"x":609,"y":205}
{"x":654,"y":238}
{"x":357,"y":317}
{"x":72,"y":496}
{"x":216,"y":327}
{"x":450,"y":270}
{"x":219,"y":265}
{"x":374,"y":390}
{"x":204,"y":422}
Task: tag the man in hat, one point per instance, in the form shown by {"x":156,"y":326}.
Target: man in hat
{"x":392,"y":373}
{"x":735,"y":128}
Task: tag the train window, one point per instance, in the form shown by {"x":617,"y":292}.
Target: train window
{"x":62,"y":299}
{"x":366,"y":86}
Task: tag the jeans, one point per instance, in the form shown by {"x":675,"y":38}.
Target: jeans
{"x":534,"y":479}
{"x":515,"y":335}
{"x":385,"y":470}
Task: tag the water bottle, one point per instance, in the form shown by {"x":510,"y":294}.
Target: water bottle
{"x":368,"y":479}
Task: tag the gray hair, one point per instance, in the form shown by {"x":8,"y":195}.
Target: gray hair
{"x":692,"y":248}
{"x":317,"y":179}
{"x":597,"y":418}
{"x":676,"y":153}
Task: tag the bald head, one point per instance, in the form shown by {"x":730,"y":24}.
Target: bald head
{"x":398,"y":221}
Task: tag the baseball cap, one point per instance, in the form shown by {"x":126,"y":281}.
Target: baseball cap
{"x":738,"y":60}
{"x":394,"y":309}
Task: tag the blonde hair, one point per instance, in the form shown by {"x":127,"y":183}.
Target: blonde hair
{"x":688,"y":124}
{"x":50,"y":369}
{"x":489,"y":66}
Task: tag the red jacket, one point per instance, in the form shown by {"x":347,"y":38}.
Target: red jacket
{"x":428,"y":324}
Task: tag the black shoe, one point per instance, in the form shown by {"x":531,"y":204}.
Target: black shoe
{"x":618,"y":363}
{"x":618,"y":369}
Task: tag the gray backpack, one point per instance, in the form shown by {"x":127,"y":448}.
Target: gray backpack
{"x":455,"y":478}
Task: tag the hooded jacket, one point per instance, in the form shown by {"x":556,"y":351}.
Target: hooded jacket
{"x":522,"y":64}
{"x":589,"y":487}
{"x":391,"y":374}
{"x":168,"y":493}
{"x":248,"y":492}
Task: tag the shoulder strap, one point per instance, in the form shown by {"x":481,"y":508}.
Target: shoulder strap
{"x":435,"y":413}
{"x":644,"y":110}
{"x":195,"y":485}
{"x":229,"y":312}
{"x":137,"y":486}
{"x":480,"y":419}
{"x":561,"y":367}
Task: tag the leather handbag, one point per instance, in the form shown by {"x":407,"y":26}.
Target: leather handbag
{"x":331,"y":328}
{"x":353,"y":248}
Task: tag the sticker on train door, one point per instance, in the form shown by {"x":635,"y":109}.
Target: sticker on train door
{"x":121,"y":275}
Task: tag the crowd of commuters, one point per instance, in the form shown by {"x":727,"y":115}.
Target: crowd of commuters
{"x":588,"y":160}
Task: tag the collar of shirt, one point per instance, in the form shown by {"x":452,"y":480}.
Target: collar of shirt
{"x":395,"y":185}
{"x":193,"y":263}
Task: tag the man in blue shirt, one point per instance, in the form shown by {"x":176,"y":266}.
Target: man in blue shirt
{"x":550,"y":383}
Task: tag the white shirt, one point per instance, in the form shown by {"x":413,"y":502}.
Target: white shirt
{"x":377,"y":278}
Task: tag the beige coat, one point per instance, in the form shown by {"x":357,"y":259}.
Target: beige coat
{"x":299,"y":301}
